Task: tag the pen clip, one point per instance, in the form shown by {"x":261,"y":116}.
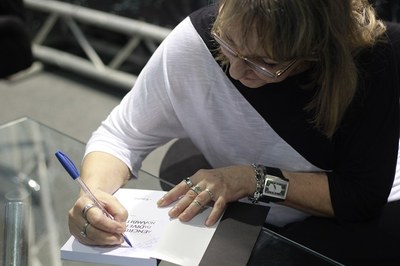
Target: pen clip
{"x":67,"y":164}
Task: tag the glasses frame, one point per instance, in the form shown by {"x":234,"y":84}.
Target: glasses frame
{"x":254,"y":66}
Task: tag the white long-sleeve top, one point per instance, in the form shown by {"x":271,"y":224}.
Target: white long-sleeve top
{"x":182,"y":92}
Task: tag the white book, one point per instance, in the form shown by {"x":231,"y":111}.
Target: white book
{"x":153,"y":234}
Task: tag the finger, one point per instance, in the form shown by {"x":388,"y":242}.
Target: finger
{"x":102,"y":222}
{"x":192,"y":210}
{"x":118,"y":212}
{"x":112,"y":206}
{"x":190,"y":205}
{"x":77,"y":213}
{"x":173,"y":195}
{"x":216,"y":212}
{"x":97,"y":218}
{"x":116,"y":209}
{"x":182,"y":204}
{"x":210,"y":193}
{"x":92,"y":236}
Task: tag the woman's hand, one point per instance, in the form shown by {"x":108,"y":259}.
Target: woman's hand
{"x":220,"y":186}
{"x":91,"y":226}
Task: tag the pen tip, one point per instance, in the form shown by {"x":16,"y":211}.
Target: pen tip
{"x":127,"y":241}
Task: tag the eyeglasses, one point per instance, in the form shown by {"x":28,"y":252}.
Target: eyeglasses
{"x":260,"y":66}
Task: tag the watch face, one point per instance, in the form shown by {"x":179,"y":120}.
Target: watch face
{"x":275,"y":187}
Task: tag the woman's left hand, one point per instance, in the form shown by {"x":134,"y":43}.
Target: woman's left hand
{"x":220,"y":186}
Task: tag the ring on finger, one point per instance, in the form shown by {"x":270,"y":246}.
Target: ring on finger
{"x":188,"y":181}
{"x":86,"y":209}
{"x":197,"y":203}
{"x":196,"y":189}
{"x":84,"y":229}
{"x":209,"y":193}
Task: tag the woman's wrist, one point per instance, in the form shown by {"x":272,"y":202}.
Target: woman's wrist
{"x":271,"y":184}
{"x":259,"y":180}
{"x":252,"y":182}
{"x":104,"y":172}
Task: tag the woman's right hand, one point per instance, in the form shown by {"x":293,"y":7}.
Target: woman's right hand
{"x":93,"y":227}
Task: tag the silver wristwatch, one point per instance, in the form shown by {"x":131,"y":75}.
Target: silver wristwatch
{"x":275,"y":187}
{"x":271,"y":184}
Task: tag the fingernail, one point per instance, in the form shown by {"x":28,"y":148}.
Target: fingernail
{"x":183,"y":217}
{"x":160,"y":202}
{"x":173,"y":212}
{"x":209,"y":222}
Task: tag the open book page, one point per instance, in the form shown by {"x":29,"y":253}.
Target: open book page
{"x":190,"y":240}
{"x":146,"y":222}
{"x":152,"y":233}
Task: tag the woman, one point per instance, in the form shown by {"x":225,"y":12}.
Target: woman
{"x":284,"y":88}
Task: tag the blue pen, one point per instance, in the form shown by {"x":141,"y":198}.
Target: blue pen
{"x":74,"y":173}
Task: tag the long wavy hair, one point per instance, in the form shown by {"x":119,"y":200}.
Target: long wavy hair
{"x":329,"y":32}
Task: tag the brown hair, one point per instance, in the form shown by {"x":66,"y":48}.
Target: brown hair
{"x":331,"y":32}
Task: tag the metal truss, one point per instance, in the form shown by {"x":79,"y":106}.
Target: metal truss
{"x":137,"y":32}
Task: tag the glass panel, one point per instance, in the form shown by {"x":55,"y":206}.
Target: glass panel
{"x":28,"y":165}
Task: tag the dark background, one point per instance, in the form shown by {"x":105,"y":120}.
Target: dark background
{"x":165,"y":13}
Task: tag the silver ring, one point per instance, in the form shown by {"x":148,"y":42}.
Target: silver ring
{"x":86,"y":209}
{"x":196,"y":189}
{"x":188,"y":181}
{"x":209,"y":193}
{"x":197,"y":203}
{"x":84,"y":228}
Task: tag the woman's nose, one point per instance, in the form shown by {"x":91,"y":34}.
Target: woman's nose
{"x":238,"y":68}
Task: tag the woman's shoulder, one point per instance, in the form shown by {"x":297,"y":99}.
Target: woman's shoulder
{"x":379,"y":79}
{"x":202,"y":21}
{"x":382,"y":60}
{"x":393,"y":34}
{"x":188,"y":48}
{"x":193,"y":31}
